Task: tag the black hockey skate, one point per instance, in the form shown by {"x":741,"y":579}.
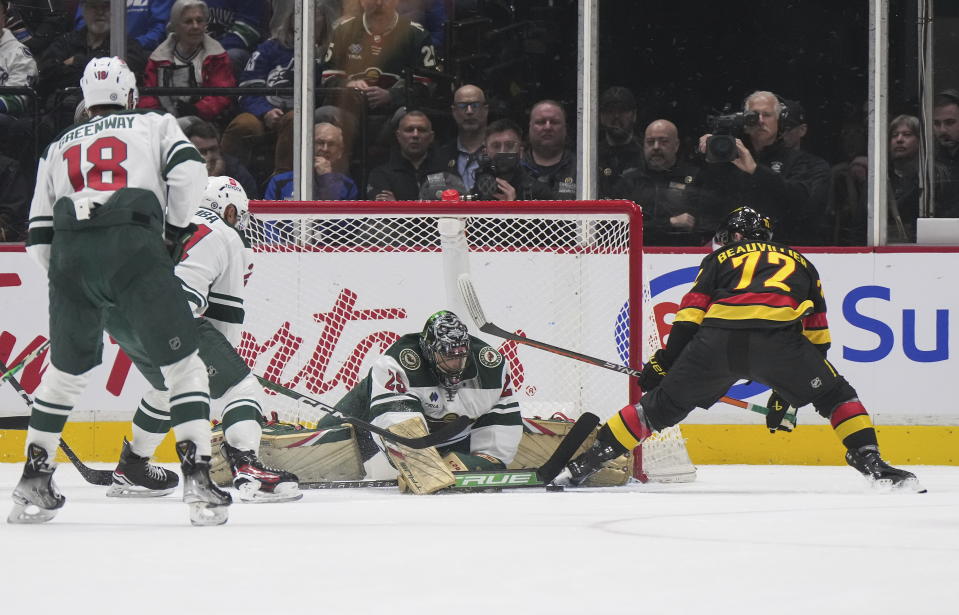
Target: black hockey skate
{"x":36,"y":498}
{"x":257,"y":482}
{"x":208,"y":503}
{"x":867,"y":460}
{"x":136,"y":477}
{"x":578,"y":470}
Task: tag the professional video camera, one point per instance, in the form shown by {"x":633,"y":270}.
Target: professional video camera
{"x":725,"y":129}
{"x":501,"y":165}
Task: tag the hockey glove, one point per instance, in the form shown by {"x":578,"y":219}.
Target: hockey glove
{"x":175,"y":239}
{"x":654,"y":371}
{"x":776,"y":420}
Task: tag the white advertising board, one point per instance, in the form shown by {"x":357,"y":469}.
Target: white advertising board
{"x":892,"y":318}
{"x":891,"y":315}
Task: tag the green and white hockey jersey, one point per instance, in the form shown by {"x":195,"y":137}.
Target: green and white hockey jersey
{"x":213,"y":270}
{"x":401,"y":382}
{"x":91,"y":162}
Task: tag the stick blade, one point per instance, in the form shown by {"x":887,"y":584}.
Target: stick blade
{"x":471,"y":300}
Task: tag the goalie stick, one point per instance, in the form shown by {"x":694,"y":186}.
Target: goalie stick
{"x":445,"y":434}
{"x":471,"y":299}
{"x":497,"y":479}
{"x":92,"y":476}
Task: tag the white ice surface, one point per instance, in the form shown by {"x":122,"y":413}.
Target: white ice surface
{"x":741,"y":539}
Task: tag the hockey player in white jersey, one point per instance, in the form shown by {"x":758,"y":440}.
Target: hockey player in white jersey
{"x":108,"y":192}
{"x":213,"y":271}
{"x":433,"y":376}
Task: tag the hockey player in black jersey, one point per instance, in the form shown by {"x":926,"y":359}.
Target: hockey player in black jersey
{"x":756,"y":312}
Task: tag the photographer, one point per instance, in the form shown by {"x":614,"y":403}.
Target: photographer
{"x":765,"y":175}
{"x":500,"y":176}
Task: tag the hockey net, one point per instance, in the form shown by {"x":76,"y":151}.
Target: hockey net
{"x":336,"y":283}
{"x":663,"y":457}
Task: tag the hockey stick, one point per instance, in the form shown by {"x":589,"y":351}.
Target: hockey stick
{"x":9,"y":373}
{"x":92,"y":476}
{"x":443,"y":435}
{"x":471,"y":300}
{"x":493,"y":480}
{"x":497,"y":479}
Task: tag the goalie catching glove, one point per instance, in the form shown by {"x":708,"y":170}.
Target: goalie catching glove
{"x":776,"y":417}
{"x":654,"y":371}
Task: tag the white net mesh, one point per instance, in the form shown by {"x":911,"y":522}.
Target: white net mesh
{"x":335,"y":284}
{"x":663,"y":456}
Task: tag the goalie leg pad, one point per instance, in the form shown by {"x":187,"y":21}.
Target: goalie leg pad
{"x":421,"y":471}
{"x":314,"y":455}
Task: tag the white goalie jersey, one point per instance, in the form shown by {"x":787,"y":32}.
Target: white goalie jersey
{"x":214,"y":269}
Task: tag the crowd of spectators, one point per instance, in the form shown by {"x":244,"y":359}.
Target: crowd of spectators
{"x":389,"y":127}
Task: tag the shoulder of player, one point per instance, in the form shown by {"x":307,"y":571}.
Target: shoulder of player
{"x":756,"y":245}
{"x":406,"y":352}
{"x":223,"y":232}
{"x":485,"y":357}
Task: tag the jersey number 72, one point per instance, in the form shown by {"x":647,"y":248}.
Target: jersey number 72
{"x":107,"y":173}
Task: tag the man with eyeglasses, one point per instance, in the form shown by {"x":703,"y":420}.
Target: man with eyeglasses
{"x":462,"y":154}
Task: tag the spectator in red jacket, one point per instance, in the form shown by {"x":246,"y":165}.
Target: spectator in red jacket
{"x":189,"y":57}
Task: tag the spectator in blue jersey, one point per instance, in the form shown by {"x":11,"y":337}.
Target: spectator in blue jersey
{"x":239,"y":26}
{"x":146,"y":21}
{"x":328,"y":184}
{"x":271,"y":65}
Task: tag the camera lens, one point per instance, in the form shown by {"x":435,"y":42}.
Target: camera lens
{"x":721,"y":148}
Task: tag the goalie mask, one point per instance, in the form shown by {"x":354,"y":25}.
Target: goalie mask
{"x":747,"y":222}
{"x":220,"y":193}
{"x":109,"y":81}
{"x":445,"y":344}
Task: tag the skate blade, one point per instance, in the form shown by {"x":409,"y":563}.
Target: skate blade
{"x":204,"y":513}
{"x":127,"y":491}
{"x":284,"y":492}
{"x":909,"y":485}
{"x":26,"y":513}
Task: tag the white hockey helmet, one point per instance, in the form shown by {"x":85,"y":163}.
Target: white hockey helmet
{"x":222,"y":191}
{"x":109,"y":81}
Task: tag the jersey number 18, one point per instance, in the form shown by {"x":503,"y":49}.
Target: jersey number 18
{"x":107,"y":173}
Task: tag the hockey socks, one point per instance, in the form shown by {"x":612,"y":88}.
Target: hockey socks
{"x":852,"y":425}
{"x":628,"y":427}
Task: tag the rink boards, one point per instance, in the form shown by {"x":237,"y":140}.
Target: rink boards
{"x":892,"y":316}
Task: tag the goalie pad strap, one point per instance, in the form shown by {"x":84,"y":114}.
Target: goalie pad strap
{"x":477,"y":462}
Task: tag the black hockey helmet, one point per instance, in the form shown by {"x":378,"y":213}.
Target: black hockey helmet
{"x":445,"y":344}
{"x":746,"y":221}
